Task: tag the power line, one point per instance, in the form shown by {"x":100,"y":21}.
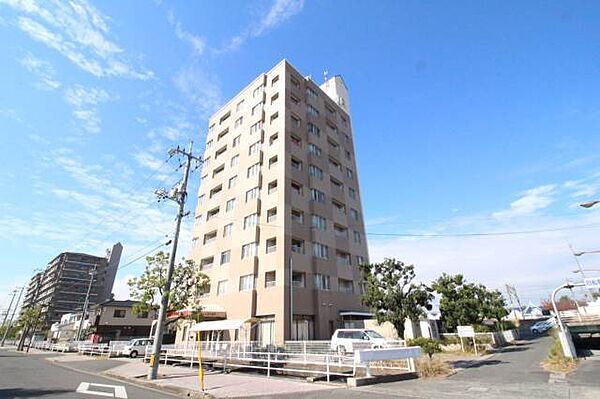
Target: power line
{"x":141,"y":256}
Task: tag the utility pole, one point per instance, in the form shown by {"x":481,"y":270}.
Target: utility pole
{"x":9,"y":307}
{"x":12,"y":316}
{"x":179,"y":196}
{"x":86,"y":303}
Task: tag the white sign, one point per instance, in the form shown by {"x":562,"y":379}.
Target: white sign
{"x":465,"y":331}
{"x":118,"y":391}
{"x":593,"y":282}
{"x":372,"y":355}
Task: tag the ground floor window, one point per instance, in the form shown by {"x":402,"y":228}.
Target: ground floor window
{"x":303,"y":328}
{"x":266,"y":331}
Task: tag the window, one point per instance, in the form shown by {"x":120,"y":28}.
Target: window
{"x":119,"y":313}
{"x":318,"y":222}
{"x":298,"y":246}
{"x":341,"y":208}
{"x":335,"y":164}
{"x":222,"y":287}
{"x":254,"y":148}
{"x":298,"y":279}
{"x":330,"y":109}
{"x":227,"y":229}
{"x":315,"y":171}
{"x":296,"y":122}
{"x":340,"y":231}
{"x":271,"y":245}
{"x":334,"y":145}
{"x":232,"y":182}
{"x":206,"y":263}
{"x":336,"y":183}
{"x":360,"y":260}
{"x":211,"y":128}
{"x":332,"y":128}
{"x":314,"y":150}
{"x":247,"y":282}
{"x":210,"y":237}
{"x":273,"y":138}
{"x":351,"y":193}
{"x":273,"y":162}
{"x":253,"y":194}
{"x":313,"y":129}
{"x":143,"y":314}
{"x":204,"y":291}
{"x":310,"y":93}
{"x":222,"y":134}
{"x":201,"y":199}
{"x":346,"y":286}
{"x":258,"y":91}
{"x":256,"y":127}
{"x":212,"y":213}
{"x":218,"y":170}
{"x":238,"y":122}
{"x":272,"y":187}
{"x":235,"y":161}
{"x":249,"y":250}
{"x":250,"y":220}
{"x":230,"y":205}
{"x":312,"y":110}
{"x":194,"y":242}
{"x":344,"y":121}
{"x":296,"y":140}
{"x":357,"y":237}
{"x":270,"y":279}
{"x":257,"y":108}
{"x":295,"y":82}
{"x":236,"y":141}
{"x":273,"y":117}
{"x":354,"y":213}
{"x":274,"y":80}
{"x":271,"y":215}
{"x":349,"y":173}
{"x":322,"y":282}
{"x":295,"y":100}
{"x":239,"y":106}
{"x":296,"y":188}
{"x":317,"y":195}
{"x":253,"y":170}
{"x":224,"y":117}
{"x":320,"y":250}
{"x":343,"y":258}
{"x":225,"y":257}
{"x":348,"y":156}
{"x":296,"y":164}
{"x":216,"y":190}
{"x":298,"y":216}
{"x":274,"y":98}
{"x":362,"y":287}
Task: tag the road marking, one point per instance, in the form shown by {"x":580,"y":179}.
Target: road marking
{"x":119,"y":390}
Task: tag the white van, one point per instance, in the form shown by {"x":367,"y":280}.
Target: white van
{"x":342,"y":340}
{"x":136,"y":347}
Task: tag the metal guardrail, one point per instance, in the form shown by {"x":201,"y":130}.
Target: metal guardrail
{"x":300,"y":357}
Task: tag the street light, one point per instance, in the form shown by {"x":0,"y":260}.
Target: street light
{"x":586,"y":270}
{"x":596,"y":251}
{"x":567,"y":350}
{"x":589,"y":204}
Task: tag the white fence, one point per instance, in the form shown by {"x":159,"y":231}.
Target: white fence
{"x":497,"y":338}
{"x":113,"y":348}
{"x":294,"y":357}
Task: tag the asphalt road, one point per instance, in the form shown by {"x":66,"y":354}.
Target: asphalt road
{"x":31,"y":376}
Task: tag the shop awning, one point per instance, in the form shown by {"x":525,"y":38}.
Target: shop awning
{"x":355,"y":313}
{"x":218,"y":325}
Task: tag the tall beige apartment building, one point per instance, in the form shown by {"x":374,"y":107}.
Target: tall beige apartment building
{"x":279,"y":226}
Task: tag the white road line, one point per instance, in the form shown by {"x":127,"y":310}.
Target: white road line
{"x":119,"y":390}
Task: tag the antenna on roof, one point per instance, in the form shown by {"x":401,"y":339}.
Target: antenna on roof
{"x":325,"y":73}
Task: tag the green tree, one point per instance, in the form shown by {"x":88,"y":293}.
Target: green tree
{"x":463,"y":303}
{"x":188,"y":282}
{"x":31,"y":320}
{"x":392,"y":295}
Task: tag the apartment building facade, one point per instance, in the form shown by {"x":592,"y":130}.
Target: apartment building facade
{"x":62,"y":287}
{"x":279,"y":224}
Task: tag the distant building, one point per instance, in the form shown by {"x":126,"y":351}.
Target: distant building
{"x":530,"y":311}
{"x":115,"y":321}
{"x":62,"y":287}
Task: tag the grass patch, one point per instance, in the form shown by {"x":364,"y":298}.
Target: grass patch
{"x":557,"y":362}
{"x":434,"y":367}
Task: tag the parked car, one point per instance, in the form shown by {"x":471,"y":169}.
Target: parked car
{"x":136,"y":346}
{"x":542,"y":326}
{"x":343,"y":340}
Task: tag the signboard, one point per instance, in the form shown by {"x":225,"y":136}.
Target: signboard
{"x":593,"y":282}
{"x":465,"y":331}
{"x":372,"y":355}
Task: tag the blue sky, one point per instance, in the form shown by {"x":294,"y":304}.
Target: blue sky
{"x":468,"y":117}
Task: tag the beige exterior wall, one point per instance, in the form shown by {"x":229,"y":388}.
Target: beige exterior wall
{"x":285,"y":96}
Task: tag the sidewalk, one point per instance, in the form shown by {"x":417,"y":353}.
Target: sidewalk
{"x":185,"y":380}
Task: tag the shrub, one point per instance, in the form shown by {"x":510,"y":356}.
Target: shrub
{"x":433,"y":368}
{"x":428,"y":345}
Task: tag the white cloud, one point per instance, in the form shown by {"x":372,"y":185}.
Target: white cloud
{"x":530,"y":201}
{"x":78,"y":31}
{"x":43,"y":70}
{"x":120,"y":288}
{"x":279,"y":12}
{"x":148,"y":160}
{"x":85,"y":103}
{"x":200,"y":89}
{"x":197,"y":43}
